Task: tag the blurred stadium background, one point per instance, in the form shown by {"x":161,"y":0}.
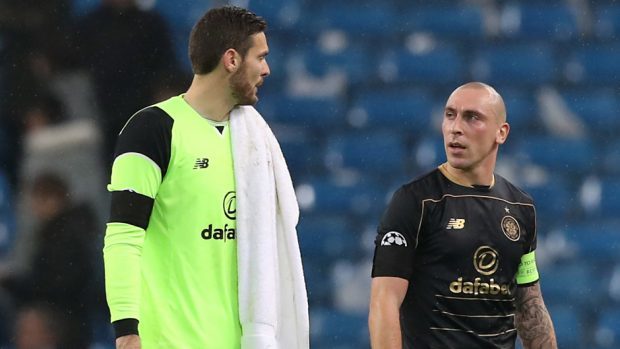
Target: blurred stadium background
{"x":355,"y":97}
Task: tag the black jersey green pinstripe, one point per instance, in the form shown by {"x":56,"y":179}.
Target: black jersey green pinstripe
{"x":463,"y":250}
{"x":170,"y":246}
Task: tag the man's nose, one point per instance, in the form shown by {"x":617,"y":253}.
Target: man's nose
{"x":266,"y":70}
{"x":455,"y":127}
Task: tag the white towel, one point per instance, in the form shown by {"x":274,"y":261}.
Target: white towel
{"x":273,"y":304}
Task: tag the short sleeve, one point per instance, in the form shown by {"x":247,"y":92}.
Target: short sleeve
{"x":149,"y":133}
{"x":531,"y":228}
{"x":397,"y":236}
{"x":142,"y":152}
{"x":532,"y":246}
{"x":142,"y":155}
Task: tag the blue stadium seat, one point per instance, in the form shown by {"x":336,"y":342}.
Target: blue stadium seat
{"x":569,"y":326}
{"x":595,"y":65}
{"x":328,"y":237}
{"x":403,"y":110}
{"x":180,"y":16}
{"x":521,"y":109}
{"x":466,"y":22}
{"x":609,"y":324}
{"x":438,"y":65}
{"x":279,"y":14}
{"x":575,"y":156}
{"x":611,"y":158}
{"x":607,"y":21}
{"x":371,"y":153}
{"x":303,"y":154}
{"x":332,"y":197}
{"x":571,"y":283}
{"x":517,"y":65}
{"x":429,"y":152}
{"x":595,"y":108}
{"x":277,"y":60}
{"x":610,"y":198}
{"x":269,"y":97}
{"x":355,"y":61}
{"x":318,"y":282}
{"x":312,"y":112}
{"x":535,"y":21}
{"x":598,"y":242}
{"x":370,"y":21}
{"x":180,"y":44}
{"x":553,"y":199}
{"x":322,"y":240}
{"x":332,"y":329}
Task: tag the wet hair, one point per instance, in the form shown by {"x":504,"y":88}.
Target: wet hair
{"x":221,"y":29}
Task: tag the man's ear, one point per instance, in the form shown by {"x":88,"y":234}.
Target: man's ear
{"x":502,"y":133}
{"x":231,"y":60}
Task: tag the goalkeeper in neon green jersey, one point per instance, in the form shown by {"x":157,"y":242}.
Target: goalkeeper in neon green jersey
{"x":170,"y":247}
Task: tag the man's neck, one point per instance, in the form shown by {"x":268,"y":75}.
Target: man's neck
{"x":481,"y":177}
{"x":209,"y":96}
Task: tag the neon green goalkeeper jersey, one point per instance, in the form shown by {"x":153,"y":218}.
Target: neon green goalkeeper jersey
{"x":170,"y":247}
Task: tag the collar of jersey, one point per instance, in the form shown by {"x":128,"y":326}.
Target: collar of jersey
{"x":193,"y":112}
{"x":453,"y":179}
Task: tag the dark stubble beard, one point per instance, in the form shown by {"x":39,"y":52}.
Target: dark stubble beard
{"x":242,"y":90}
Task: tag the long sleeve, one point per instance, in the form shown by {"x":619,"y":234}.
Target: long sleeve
{"x":142,"y":156}
{"x":122,"y":252}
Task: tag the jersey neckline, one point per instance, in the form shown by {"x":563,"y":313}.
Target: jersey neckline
{"x":442,"y":169}
{"x":193,"y":111}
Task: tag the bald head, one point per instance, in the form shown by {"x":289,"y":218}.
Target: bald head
{"x":495,"y":99}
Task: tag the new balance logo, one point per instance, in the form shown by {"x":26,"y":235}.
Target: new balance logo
{"x":201,"y":163}
{"x":456,"y":223}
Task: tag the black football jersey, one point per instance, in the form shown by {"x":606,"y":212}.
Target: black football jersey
{"x":460,"y":248}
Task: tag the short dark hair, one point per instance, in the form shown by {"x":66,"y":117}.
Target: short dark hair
{"x":219,"y":30}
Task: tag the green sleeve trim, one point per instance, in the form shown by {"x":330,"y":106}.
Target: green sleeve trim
{"x":527,"y":272}
{"x":136,"y":172}
{"x":122,"y":254}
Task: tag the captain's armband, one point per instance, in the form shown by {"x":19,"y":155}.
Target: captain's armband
{"x":527,"y":273}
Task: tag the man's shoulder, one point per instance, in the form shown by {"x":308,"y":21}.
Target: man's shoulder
{"x":425,"y":185}
{"x":148,"y":118}
{"x":512,"y":191}
{"x":426,"y":179}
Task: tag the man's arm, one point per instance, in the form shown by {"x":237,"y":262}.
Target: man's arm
{"x":386,"y":297}
{"x":122,"y":254}
{"x":141,"y":160}
{"x":131,"y":341}
{"x":532,"y":319}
